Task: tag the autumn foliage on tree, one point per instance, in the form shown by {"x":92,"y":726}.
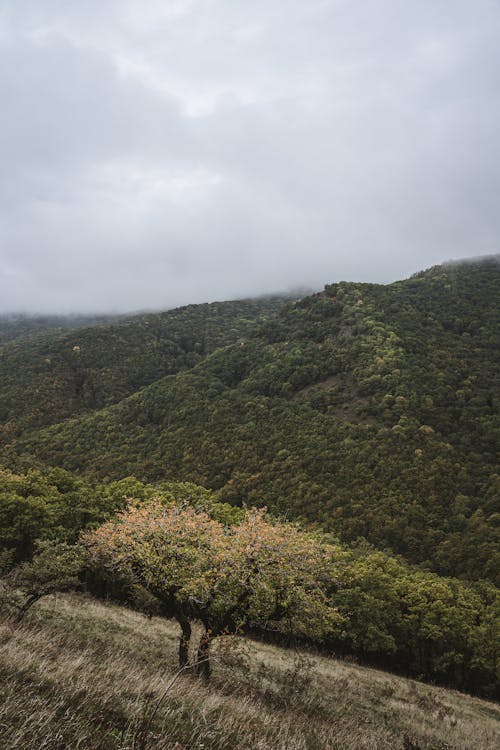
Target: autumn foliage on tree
{"x":258,"y":572}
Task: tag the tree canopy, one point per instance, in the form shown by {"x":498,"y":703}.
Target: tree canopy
{"x":254,"y":572}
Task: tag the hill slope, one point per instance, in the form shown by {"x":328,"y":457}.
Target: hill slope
{"x":14,"y":326}
{"x":58,"y":373}
{"x":373,"y":410}
{"x":82,"y":674}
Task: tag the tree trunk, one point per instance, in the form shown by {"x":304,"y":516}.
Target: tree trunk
{"x":184,"y":640}
{"x":203,"y":668}
{"x":27,"y":604}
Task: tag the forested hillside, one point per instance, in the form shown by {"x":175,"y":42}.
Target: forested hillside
{"x":368,"y":412}
{"x":58,"y":373}
{"x":372,"y":410}
{"x":14,"y":326}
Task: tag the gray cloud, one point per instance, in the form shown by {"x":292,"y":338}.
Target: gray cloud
{"x":155,"y":154}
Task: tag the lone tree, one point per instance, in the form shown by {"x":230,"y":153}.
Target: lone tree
{"x":258,"y":572}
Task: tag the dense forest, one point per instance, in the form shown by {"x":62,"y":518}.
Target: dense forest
{"x":16,"y":326}
{"x":368,"y":413}
{"x":51,"y":372}
{"x":371,"y":410}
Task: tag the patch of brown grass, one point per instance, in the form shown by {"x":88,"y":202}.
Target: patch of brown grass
{"x":82,"y":674}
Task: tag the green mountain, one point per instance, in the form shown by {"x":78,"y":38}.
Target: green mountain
{"x":16,"y":326}
{"x":51,"y":369}
{"x":372,"y":410}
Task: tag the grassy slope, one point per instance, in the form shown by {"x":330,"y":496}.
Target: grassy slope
{"x":82,"y":674}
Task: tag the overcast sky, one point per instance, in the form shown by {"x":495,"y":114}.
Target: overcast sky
{"x":160,"y":152}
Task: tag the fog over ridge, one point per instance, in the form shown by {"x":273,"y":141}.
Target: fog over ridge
{"x":156,"y":154}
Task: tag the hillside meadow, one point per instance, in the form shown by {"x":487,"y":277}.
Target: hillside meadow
{"x":83,"y":674}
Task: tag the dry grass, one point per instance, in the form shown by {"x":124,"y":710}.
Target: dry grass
{"x":81,"y":674}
